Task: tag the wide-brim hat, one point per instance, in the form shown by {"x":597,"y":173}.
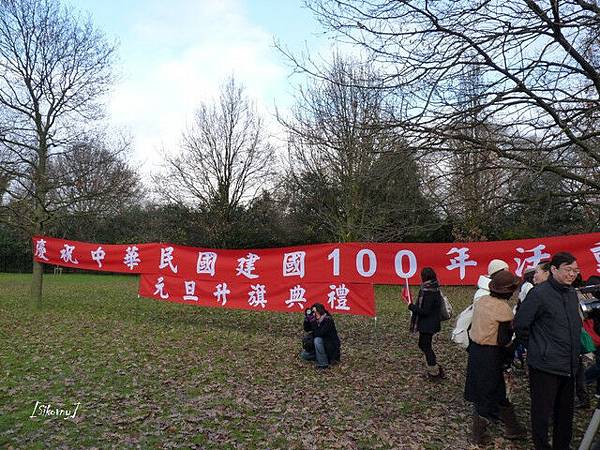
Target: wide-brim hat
{"x":504,"y":282}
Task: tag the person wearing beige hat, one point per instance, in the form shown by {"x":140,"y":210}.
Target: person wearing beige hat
{"x":489,"y":352}
{"x":495,"y":266}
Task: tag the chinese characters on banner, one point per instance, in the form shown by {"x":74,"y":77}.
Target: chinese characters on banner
{"x":328,"y":273}
{"x":347,"y":298}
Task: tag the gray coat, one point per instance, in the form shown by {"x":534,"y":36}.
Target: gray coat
{"x":549,"y":324}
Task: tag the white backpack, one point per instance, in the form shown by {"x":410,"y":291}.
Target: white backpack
{"x":460,"y":333}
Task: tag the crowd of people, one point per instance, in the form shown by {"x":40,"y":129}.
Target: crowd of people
{"x":544,"y":331}
{"x":543,"y":334}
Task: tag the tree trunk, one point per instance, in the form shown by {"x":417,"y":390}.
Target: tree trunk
{"x":36,"y":283}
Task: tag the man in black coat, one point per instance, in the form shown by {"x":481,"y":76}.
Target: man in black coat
{"x":549,"y":324}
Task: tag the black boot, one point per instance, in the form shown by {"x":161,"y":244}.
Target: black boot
{"x":512,"y":427}
{"x":442,"y":374}
{"x":479,"y":435}
{"x":435,"y":373}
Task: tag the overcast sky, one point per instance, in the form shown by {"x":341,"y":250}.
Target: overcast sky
{"x":174,"y":54}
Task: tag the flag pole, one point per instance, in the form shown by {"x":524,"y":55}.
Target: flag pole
{"x":408,"y":294}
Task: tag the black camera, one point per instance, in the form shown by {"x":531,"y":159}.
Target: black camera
{"x":589,"y":307}
{"x":593,"y":289}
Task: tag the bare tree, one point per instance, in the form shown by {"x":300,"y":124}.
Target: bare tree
{"x":350,"y":173}
{"x":225,"y":158}
{"x":91,"y":182}
{"x":54,"y":70}
{"x":95,"y":178}
{"x":540,"y":90}
{"x":470,"y":184}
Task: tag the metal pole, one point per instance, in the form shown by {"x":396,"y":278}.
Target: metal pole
{"x":590,"y":433}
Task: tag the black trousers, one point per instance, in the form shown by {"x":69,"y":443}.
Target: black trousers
{"x":425,"y":346}
{"x":485,"y":385}
{"x":552,"y":398}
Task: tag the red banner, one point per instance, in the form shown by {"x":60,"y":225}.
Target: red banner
{"x":351,"y":298}
{"x":455,"y":263}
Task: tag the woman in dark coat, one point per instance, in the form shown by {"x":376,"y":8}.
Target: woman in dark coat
{"x":325,"y":338}
{"x":489,"y":352}
{"x":426,"y":320}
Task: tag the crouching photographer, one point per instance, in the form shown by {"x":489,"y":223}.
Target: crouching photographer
{"x":320,"y":329}
{"x":308,"y":345}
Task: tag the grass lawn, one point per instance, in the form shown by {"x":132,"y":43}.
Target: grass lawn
{"x":151,"y":374}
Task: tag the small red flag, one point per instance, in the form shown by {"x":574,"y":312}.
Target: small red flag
{"x":405,"y":295}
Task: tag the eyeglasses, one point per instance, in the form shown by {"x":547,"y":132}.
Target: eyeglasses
{"x":570,"y":270}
